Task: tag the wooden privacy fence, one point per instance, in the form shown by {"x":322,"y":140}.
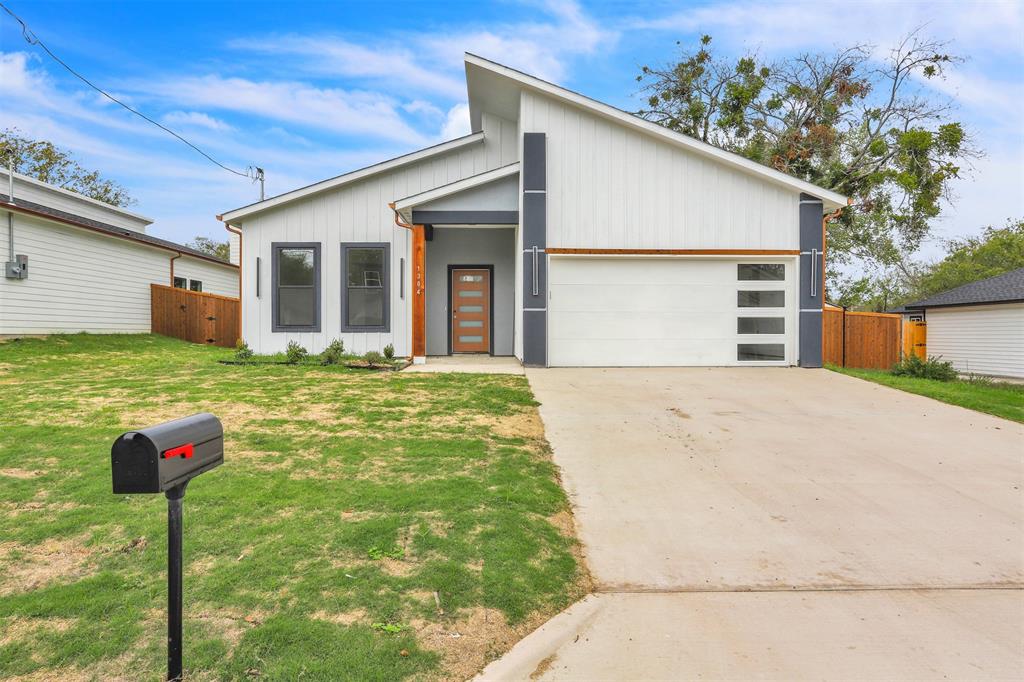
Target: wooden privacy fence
{"x":866,"y":340}
{"x":195,"y":316}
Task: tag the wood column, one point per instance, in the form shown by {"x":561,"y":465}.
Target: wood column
{"x":419,"y":298}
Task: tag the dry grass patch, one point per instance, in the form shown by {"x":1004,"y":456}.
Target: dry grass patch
{"x":39,"y":565}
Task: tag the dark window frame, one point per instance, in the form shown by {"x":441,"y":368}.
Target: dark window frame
{"x":192,"y":285}
{"x":275,"y":249}
{"x":182,"y":280}
{"x":385,"y":284}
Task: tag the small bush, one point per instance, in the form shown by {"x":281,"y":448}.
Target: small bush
{"x":389,"y":352}
{"x":373,"y":358}
{"x":333,"y":354}
{"x":932,"y":368}
{"x":242,"y":351}
{"x":295,"y":353}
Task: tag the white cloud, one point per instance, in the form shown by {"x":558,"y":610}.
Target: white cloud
{"x":346,"y":112}
{"x":194,"y":119}
{"x":456,"y":123}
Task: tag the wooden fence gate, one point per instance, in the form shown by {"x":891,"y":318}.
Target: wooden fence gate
{"x":866,"y":340}
{"x":195,"y":316}
{"x":915,"y":339}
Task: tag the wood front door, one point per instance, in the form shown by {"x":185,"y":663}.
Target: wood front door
{"x":471,"y":310}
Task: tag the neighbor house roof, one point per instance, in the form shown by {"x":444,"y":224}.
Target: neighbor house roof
{"x":346,"y":178}
{"x":831,"y":199}
{"x":39,"y":210}
{"x":1005,"y":288}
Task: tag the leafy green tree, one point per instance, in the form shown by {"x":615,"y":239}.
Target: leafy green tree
{"x":864,"y":127}
{"x":212,"y":247}
{"x":48,"y":163}
{"x":995,"y":251}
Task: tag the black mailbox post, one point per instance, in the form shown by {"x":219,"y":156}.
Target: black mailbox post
{"x":163,"y":459}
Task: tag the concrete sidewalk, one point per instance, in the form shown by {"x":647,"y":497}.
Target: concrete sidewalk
{"x":781,"y":524}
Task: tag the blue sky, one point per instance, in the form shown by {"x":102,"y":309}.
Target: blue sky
{"x":311,"y":90}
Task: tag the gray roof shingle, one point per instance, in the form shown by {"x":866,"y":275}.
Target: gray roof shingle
{"x":1004,"y":288}
{"x":113,"y":230}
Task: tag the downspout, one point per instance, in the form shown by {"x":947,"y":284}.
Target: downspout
{"x":173,"y":258}
{"x":234,"y":230}
{"x":418,"y":306}
{"x":10,"y":214}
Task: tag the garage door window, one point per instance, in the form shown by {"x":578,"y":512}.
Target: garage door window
{"x":761,"y":272}
{"x":761,"y":352}
{"x":761,"y":299}
{"x":760,"y":325}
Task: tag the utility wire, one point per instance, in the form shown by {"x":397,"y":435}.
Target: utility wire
{"x":30,"y":37}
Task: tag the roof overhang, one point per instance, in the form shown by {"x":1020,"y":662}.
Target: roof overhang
{"x":237,"y":215}
{"x":405,"y":206}
{"x":494,"y":87}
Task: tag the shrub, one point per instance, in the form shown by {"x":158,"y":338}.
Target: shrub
{"x":295,"y":353}
{"x":242,"y":351}
{"x":333,"y":354}
{"x":389,"y":352}
{"x":932,"y":368}
{"x":373,"y":358}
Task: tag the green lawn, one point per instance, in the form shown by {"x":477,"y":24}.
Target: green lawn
{"x":347,"y":501}
{"x":1002,"y":399}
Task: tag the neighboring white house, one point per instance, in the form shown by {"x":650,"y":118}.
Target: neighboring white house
{"x":88,"y":265}
{"x":562,"y":231}
{"x":979,"y":327}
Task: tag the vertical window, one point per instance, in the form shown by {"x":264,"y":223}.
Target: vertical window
{"x":365,"y":287}
{"x":195,"y":285}
{"x":296,"y":286}
{"x":180,"y":282}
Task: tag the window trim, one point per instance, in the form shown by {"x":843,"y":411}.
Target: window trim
{"x":275,"y":249}
{"x":183,"y":280}
{"x":385,"y":281}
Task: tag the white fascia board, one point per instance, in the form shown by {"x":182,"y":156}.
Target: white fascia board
{"x":18,"y":177}
{"x":457,"y":186}
{"x":831,"y":199}
{"x":347,"y":178}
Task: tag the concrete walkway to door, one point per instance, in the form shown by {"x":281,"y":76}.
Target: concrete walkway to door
{"x":781,"y":523}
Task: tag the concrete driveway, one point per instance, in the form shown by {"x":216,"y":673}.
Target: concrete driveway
{"x":781,"y":523}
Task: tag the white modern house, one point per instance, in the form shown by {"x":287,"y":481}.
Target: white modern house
{"x":74,"y":264}
{"x":979,"y":327}
{"x":562,"y":231}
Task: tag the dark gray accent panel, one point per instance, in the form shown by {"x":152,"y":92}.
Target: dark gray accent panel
{"x":810,"y":226}
{"x":810,"y":339}
{"x":534,"y":162}
{"x":535,"y":338}
{"x":385,"y":281}
{"x":465,"y":217}
{"x":540,"y":299}
{"x":275,"y":247}
{"x":809,"y":267}
{"x":535,"y":220}
{"x":812,"y":280}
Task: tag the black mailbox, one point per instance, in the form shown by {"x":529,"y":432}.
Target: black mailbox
{"x":157,"y":459}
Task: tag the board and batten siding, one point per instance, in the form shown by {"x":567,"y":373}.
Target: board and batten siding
{"x":79,"y":281}
{"x":216,"y":279}
{"x":612,"y":187}
{"x":356,"y":212}
{"x":985,"y":339}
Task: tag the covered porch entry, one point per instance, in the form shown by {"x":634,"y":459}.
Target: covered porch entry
{"x":464,"y":265}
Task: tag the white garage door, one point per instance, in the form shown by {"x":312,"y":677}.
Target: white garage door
{"x":613,"y":312}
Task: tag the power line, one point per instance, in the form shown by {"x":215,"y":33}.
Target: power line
{"x":255,"y":173}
